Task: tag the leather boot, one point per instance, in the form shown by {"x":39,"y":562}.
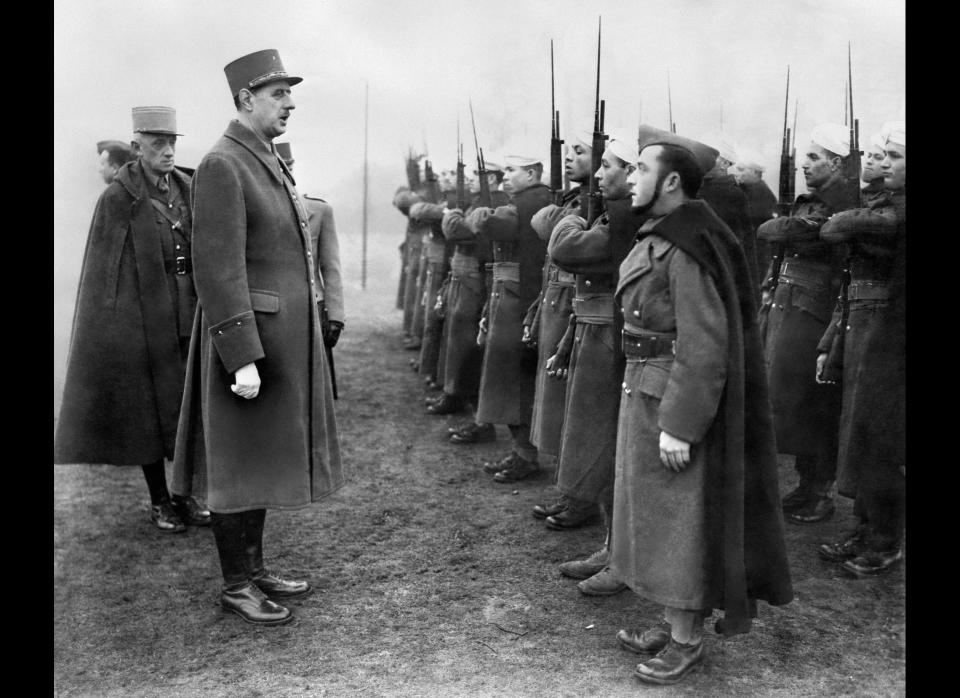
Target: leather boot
{"x":238,"y":594}
{"x":269,"y":583}
{"x":579,"y":512}
{"x":542,"y":511}
{"x":603,"y":583}
{"x":671,"y":664}
{"x":584,"y":569}
{"x":647,"y":641}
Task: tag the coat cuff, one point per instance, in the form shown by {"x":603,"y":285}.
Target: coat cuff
{"x":237,"y":341}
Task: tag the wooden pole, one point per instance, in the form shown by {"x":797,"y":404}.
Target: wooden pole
{"x":366,"y":120}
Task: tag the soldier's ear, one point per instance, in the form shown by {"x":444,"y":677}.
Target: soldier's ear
{"x":135,"y":145}
{"x":245,"y":98}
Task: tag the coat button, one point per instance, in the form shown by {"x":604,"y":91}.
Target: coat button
{"x":177,"y":246}
{"x":239,"y":323}
{"x":308,"y":253}
{"x":587,"y":282}
{"x":636,"y":313}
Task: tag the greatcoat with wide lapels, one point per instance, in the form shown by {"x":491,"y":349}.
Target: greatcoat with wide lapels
{"x":256,"y":284}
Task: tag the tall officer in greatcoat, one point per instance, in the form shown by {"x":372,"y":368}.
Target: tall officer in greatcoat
{"x":131,"y":324}
{"x":871,"y":338}
{"x":326,"y":253}
{"x":547,"y":322}
{"x":258,"y":412}
{"x":585,"y":471}
{"x":807,"y":414}
{"x":509,"y":366}
{"x":697,"y":522}
{"x":465,"y":299}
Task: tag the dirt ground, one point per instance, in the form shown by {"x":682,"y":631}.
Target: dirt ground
{"x":432,"y":580}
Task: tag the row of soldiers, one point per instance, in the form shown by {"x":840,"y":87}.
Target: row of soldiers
{"x":601,"y":341}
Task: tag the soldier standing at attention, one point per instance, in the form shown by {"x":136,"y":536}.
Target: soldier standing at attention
{"x":509,"y":366}
{"x":131,"y":325}
{"x":807,"y":414}
{"x":546,"y":325}
{"x":872,"y":461}
{"x":113,"y":156}
{"x":258,"y":408}
{"x":761,"y":205}
{"x":683,"y":536}
{"x":326,"y":252}
{"x":466,"y":296}
{"x":587,"y":455}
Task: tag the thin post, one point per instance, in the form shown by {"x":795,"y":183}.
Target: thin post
{"x":366,"y":122}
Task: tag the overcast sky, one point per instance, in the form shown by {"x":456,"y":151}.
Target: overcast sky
{"x":424,"y":60}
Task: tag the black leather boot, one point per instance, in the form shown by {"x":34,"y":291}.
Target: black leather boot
{"x":239,"y":594}
{"x":268,"y":582}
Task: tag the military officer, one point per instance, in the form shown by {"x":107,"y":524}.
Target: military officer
{"x":806,"y":414}
{"x":258,"y":410}
{"x":681,"y":536}
{"x":870,"y":336}
{"x":131,"y":325}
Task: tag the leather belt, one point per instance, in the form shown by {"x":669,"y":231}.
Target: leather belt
{"x":647,"y":345}
{"x":180,"y":265}
{"x":868,"y":291}
{"x":464,"y":265}
{"x":805,"y":273}
{"x":594,"y":310}
{"x":506,"y":271}
{"x":564,"y":277}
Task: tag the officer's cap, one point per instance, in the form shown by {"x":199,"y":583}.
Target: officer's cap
{"x":255,"y":69}
{"x":155,"y":120}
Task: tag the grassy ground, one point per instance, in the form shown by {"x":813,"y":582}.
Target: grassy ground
{"x":432,"y":580}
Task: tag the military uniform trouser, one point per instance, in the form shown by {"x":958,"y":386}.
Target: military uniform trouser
{"x":433,"y":323}
{"x":419,"y":311}
{"x":465,"y":299}
{"x":411,"y":273}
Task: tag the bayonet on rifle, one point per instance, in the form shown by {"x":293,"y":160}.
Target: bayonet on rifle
{"x":556,"y":155}
{"x":591,"y":205}
{"x":485,"y":199}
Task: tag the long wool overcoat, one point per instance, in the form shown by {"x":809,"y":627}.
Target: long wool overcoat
{"x":125,"y":372}
{"x":255,"y":278}
{"x":507,"y":377}
{"x":710,"y":536}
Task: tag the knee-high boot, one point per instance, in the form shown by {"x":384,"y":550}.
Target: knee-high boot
{"x":269,"y":583}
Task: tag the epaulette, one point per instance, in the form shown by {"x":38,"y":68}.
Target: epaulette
{"x":314,"y":198}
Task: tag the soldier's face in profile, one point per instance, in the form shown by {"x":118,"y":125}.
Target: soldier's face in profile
{"x":818,"y":165}
{"x":613,"y":175}
{"x":578,"y":163}
{"x":157,"y":151}
{"x":645,"y":180}
{"x":745,"y":175}
{"x":872,"y":160}
{"x":271,"y":106}
{"x":105,"y":167}
{"x":516,"y":179}
{"x":894,"y":166}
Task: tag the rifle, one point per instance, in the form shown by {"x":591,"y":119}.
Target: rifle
{"x":556,"y":158}
{"x":485,"y":199}
{"x":413,"y":171}
{"x":461,"y":178}
{"x":787,"y":186}
{"x":852,"y":165}
{"x":433,"y":188}
{"x":673,"y":124}
{"x":591,"y":201}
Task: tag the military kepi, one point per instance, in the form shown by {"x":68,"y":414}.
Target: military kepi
{"x":155,"y":120}
{"x":257,"y":68}
{"x":705,"y":155}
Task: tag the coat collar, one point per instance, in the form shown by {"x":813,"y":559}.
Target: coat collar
{"x":239,"y":133}
{"x":132,"y":178}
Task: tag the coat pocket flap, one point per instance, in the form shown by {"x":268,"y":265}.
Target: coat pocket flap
{"x":264,"y":301}
{"x":653,"y":380}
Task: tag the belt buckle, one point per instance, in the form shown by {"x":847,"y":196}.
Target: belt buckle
{"x":181,"y":267}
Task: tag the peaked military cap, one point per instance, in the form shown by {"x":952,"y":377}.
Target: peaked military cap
{"x":255,"y":69}
{"x":155,"y":120}
{"x":705,"y":156}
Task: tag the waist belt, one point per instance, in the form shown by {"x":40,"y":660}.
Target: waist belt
{"x":647,"y":345}
{"x":436,"y":252}
{"x":563,"y":277}
{"x":805,"y":273}
{"x":594,"y":310}
{"x":464,"y":265}
{"x":506,"y":271}
{"x":180,"y":265}
{"x":868,"y":291}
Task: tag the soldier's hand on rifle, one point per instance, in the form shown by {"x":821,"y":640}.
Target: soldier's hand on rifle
{"x":247,"y":381}
{"x":556,"y":367}
{"x":482,"y":333}
{"x":766,"y":297}
{"x":674,"y":452}
{"x":821,"y":364}
{"x":527,"y":338}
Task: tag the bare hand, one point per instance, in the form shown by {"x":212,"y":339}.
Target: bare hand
{"x":556,"y":367}
{"x":527,"y":338}
{"x":247,"y":383}
{"x":821,"y":364}
{"x":765,"y":297}
{"x":674,"y":452}
{"x":482,"y":332}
